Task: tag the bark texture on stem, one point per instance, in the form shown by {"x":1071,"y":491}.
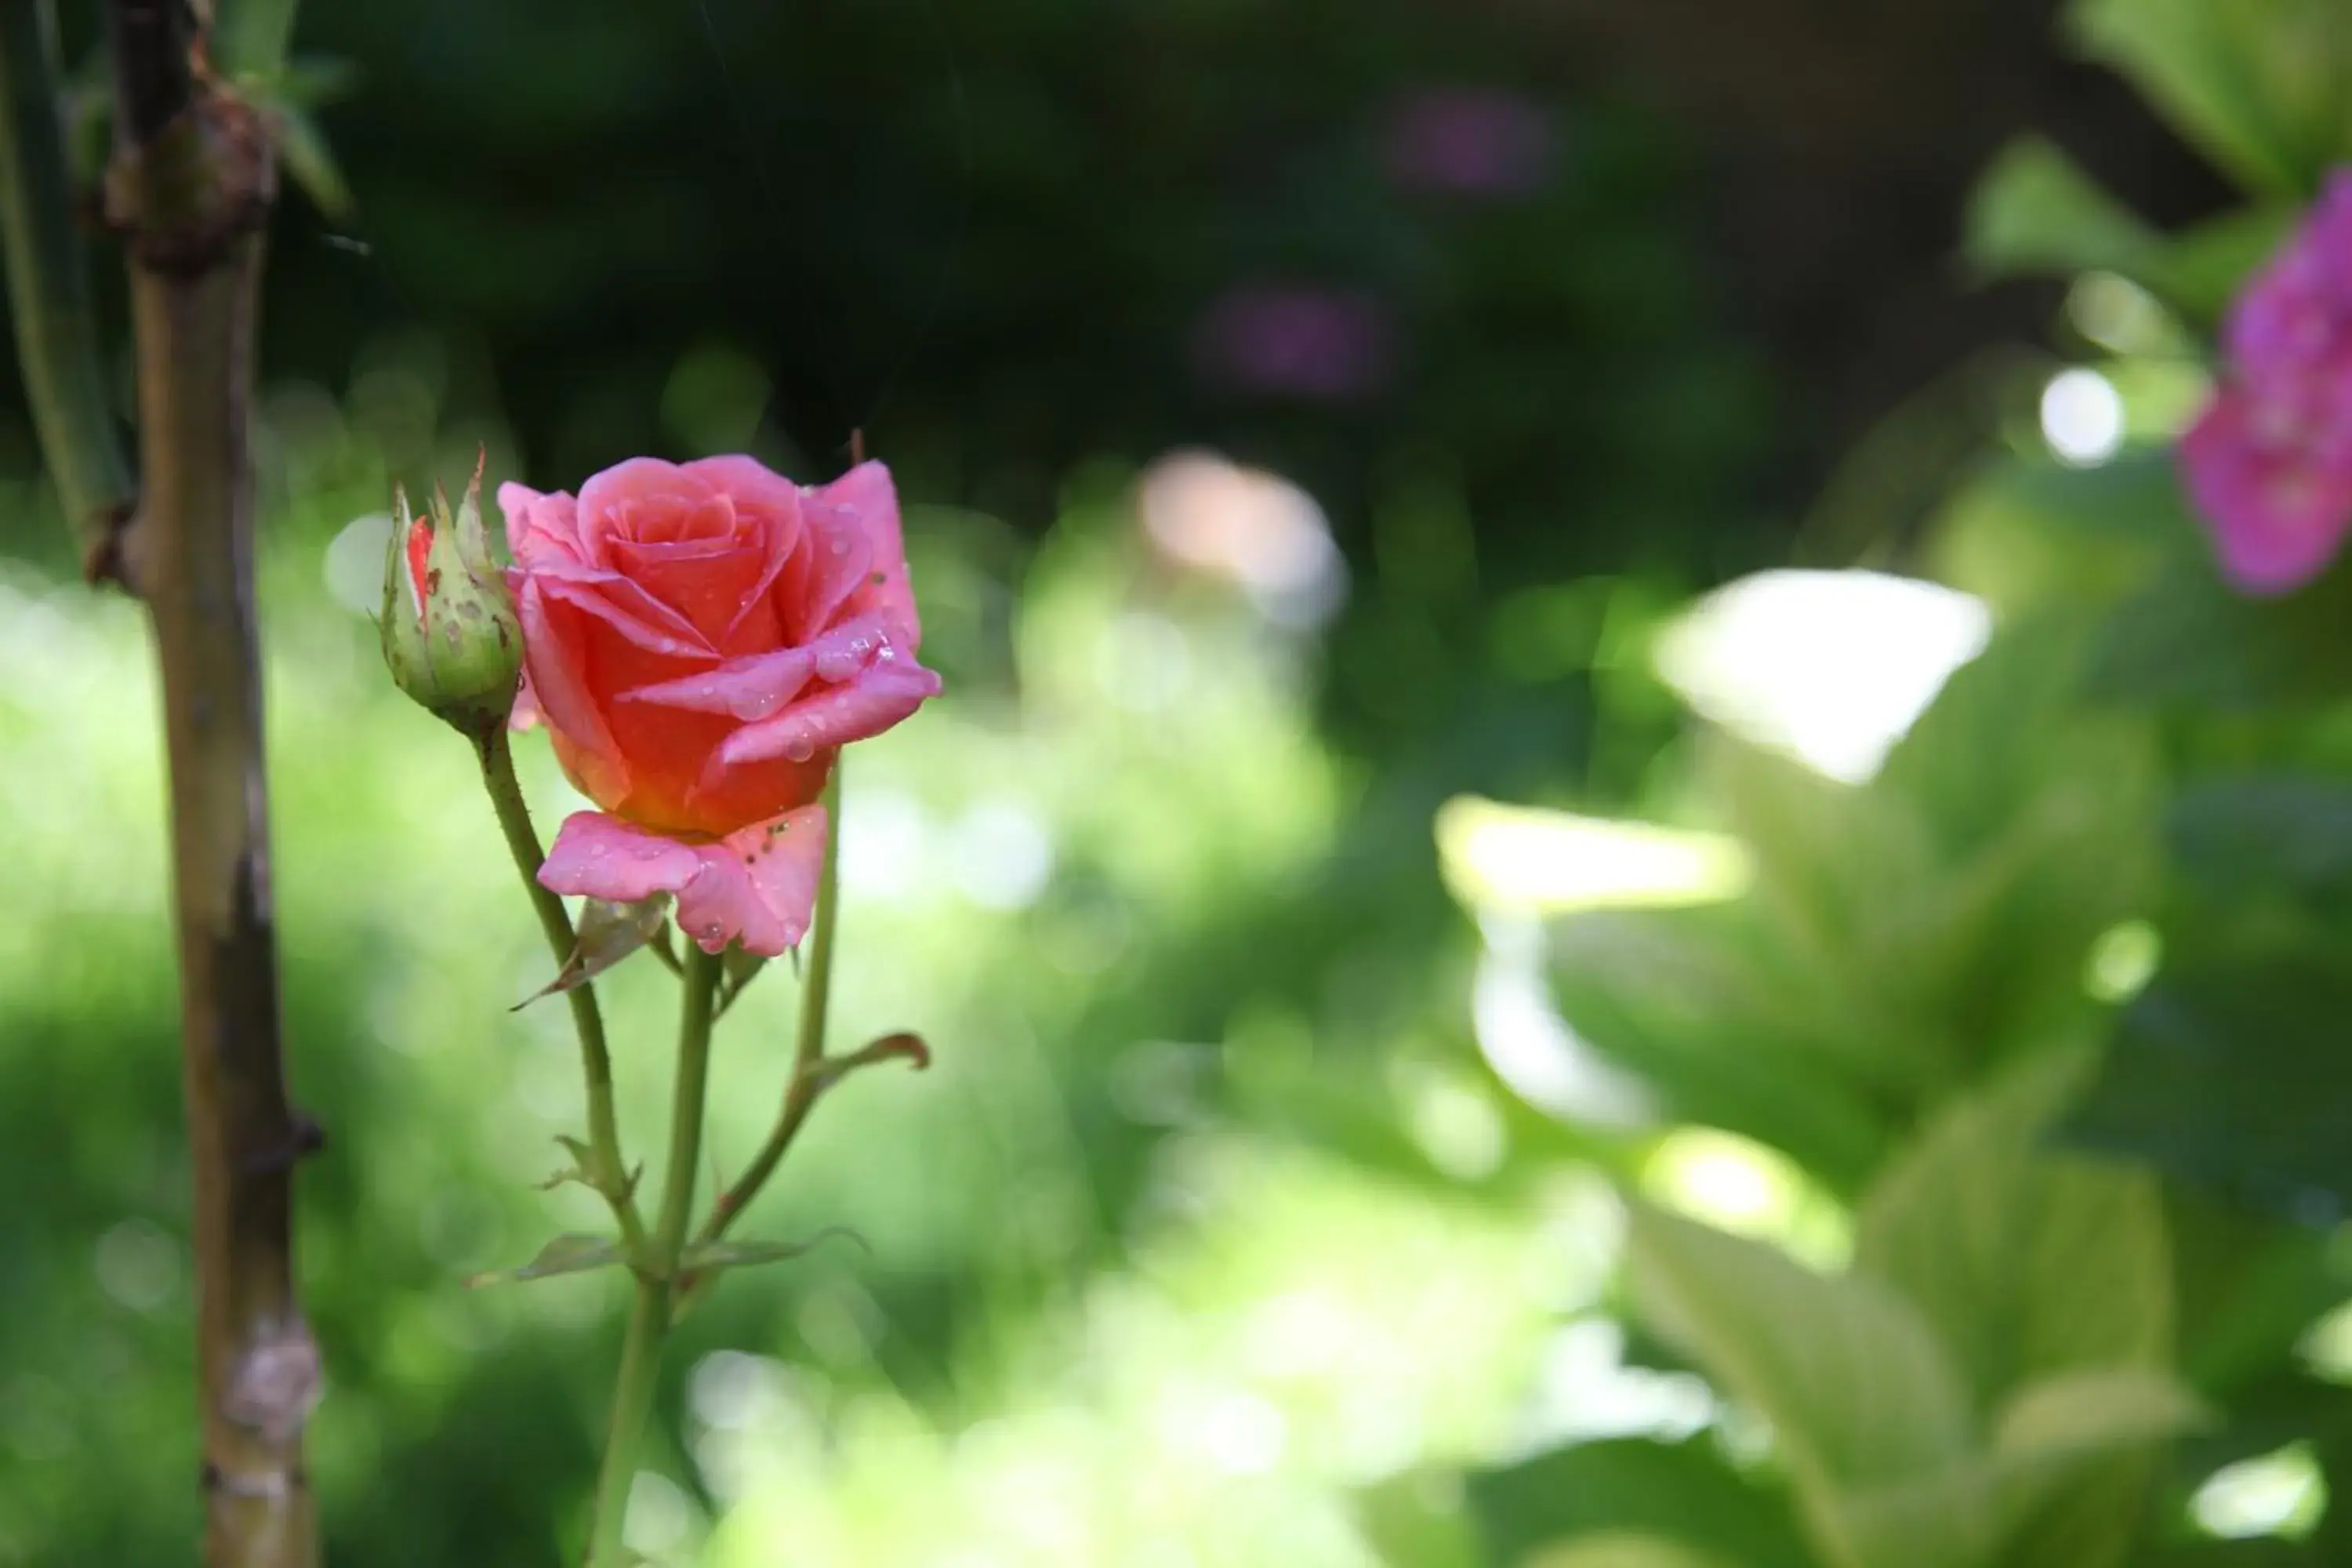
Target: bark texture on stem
{"x":191,"y":179}
{"x":258,"y":1364}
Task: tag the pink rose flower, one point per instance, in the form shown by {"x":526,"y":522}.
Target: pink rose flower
{"x":702,"y":639}
{"x":2269,"y":462}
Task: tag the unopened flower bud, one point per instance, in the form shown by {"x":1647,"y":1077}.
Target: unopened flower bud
{"x":450,"y":634}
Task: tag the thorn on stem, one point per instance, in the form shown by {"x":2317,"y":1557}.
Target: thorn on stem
{"x":304,"y":1137}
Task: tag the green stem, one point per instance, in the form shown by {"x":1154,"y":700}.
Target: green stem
{"x":807,"y":1081}
{"x":703,"y":973}
{"x":609,"y":1176}
{"x":48,"y":292}
{"x":633,"y":1407}
{"x":649,"y":1319}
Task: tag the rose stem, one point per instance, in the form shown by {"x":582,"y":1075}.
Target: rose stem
{"x":608,"y":1175}
{"x":632,"y":1393}
{"x":808,"y":1057}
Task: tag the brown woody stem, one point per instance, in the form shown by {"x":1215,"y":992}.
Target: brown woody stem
{"x":191,"y":180}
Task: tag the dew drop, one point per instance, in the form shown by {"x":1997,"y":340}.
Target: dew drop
{"x":799,"y":748}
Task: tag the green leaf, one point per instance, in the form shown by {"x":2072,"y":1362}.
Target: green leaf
{"x":2027,"y":1263}
{"x":1685,"y":1491}
{"x":738,"y":969}
{"x":2091,"y":1411}
{"x":2246,"y":1290}
{"x":709,"y":1256}
{"x":2257,"y":84}
{"x":1848,"y":1372}
{"x":2025,"y":533}
{"x":2073,"y":1458}
{"x":608,"y":932}
{"x":1727,"y":1030}
{"x":1624,"y":1549}
{"x":903,"y":1046}
{"x":579,"y":1171}
{"x":2061,"y":1487}
{"x":307,"y":157}
{"x":2221,"y":1071}
{"x":2256,"y":838}
{"x":569,"y":1254}
{"x":2207,"y":266}
{"x":2189,"y":638}
{"x":2036,"y":211}
{"x":1418,"y":1519}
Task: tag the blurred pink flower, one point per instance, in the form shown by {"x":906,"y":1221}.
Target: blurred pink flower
{"x":1469,"y":141}
{"x":2269,"y":463}
{"x":1299,"y":341}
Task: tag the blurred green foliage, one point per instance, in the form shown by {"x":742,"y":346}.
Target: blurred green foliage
{"x":2054,"y":998}
{"x":1947,"y":1178}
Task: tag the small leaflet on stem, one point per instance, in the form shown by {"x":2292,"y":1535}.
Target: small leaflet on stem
{"x":608,"y":932}
{"x":710,"y":1257}
{"x":572,"y":1253}
{"x":905,"y":1046}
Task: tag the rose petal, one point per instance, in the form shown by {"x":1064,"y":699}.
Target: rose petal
{"x":551,"y":659}
{"x":753,"y":689}
{"x":626,"y":607}
{"x":770,"y":508}
{"x":604,"y":857}
{"x":747,"y":689}
{"x":525,"y":714}
{"x":2276,"y":517}
{"x":708,"y":582}
{"x":539,"y":527}
{"x":878,"y":697}
{"x":866,"y":493}
{"x":757,"y":885}
{"x":763,"y":498}
{"x":612,"y":502}
{"x":836,"y":556}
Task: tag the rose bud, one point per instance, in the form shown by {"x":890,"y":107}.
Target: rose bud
{"x":703,"y":638}
{"x":450,"y":634}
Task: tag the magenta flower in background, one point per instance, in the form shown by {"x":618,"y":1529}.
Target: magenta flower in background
{"x":1469,"y":141}
{"x":1297,"y":340}
{"x":2269,"y":462}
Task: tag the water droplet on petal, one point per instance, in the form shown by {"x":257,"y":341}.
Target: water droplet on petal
{"x":799,"y":748}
